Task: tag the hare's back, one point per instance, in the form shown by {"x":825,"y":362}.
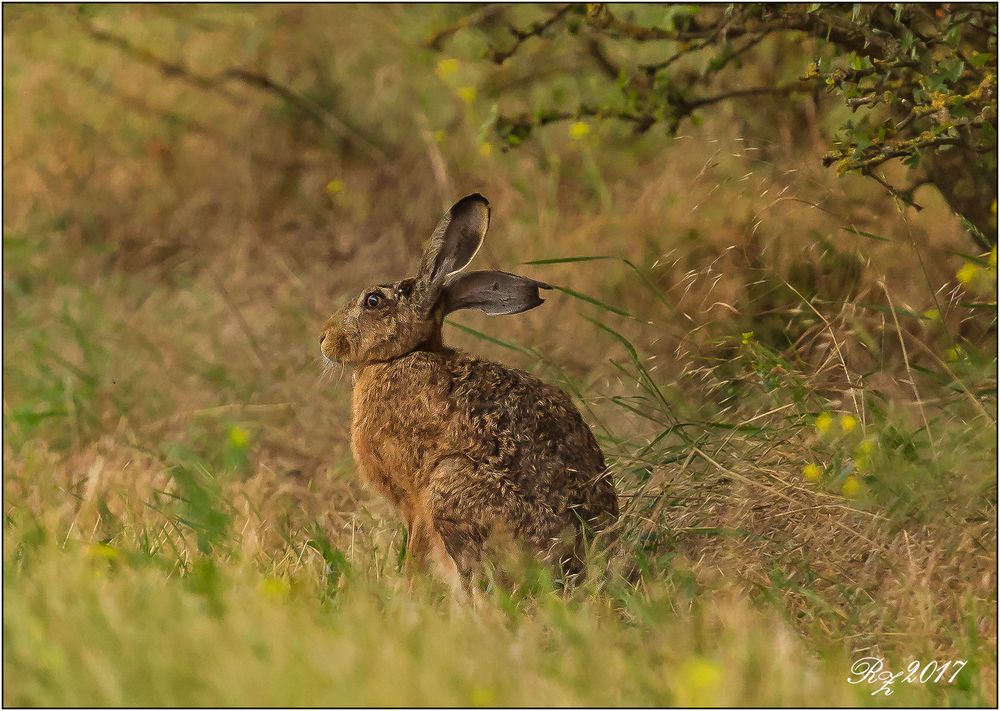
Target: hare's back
{"x":515,"y":423}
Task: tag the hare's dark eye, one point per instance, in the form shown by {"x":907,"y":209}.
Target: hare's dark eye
{"x":373,"y":300}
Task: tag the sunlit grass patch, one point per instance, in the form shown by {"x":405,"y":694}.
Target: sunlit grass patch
{"x":226,"y":635}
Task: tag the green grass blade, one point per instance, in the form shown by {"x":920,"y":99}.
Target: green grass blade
{"x":595,"y":302}
{"x":493,"y":339}
{"x":566,"y":260}
{"x":869,"y":235}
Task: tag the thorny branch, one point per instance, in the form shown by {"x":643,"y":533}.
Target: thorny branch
{"x":920,"y":80}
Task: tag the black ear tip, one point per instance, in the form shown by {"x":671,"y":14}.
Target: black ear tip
{"x":474,"y":197}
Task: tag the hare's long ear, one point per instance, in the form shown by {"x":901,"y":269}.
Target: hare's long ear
{"x":496,"y":293}
{"x":455,"y":241}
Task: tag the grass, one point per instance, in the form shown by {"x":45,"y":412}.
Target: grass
{"x":799,"y":404}
{"x":227,"y":636}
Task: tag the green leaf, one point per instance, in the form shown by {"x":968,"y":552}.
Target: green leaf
{"x":619,"y":337}
{"x":953,"y":36}
{"x":566,"y":260}
{"x":979,"y":59}
{"x":955,"y":71}
{"x":491,"y":339}
{"x":862,"y":233}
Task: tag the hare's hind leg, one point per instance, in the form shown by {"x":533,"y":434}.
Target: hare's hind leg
{"x":460,"y":523}
{"x":417,"y":545}
{"x":426,"y":551}
{"x":447,"y":571}
{"x":475,"y":508}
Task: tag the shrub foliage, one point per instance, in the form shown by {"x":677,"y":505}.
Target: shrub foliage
{"x":915,"y":83}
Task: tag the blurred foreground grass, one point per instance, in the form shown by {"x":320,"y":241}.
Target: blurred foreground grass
{"x":89,"y":626}
{"x":793,"y":380}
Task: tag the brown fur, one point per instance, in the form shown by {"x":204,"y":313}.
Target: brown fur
{"x":466,"y":449}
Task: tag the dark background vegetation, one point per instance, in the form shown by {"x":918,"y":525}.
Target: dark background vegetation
{"x":791,"y":368}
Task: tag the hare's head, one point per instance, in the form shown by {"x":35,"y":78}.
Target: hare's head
{"x":386,"y":321}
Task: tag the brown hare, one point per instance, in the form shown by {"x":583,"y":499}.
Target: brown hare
{"x":465,"y":448}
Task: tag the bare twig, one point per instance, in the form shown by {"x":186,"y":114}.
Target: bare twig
{"x":320,"y":115}
{"x":904,"y":196}
{"x":906,"y":362}
{"x":438,"y":166}
{"x":141,"y":106}
{"x":216,"y":84}
{"x":241,"y":320}
{"x":521,"y":36}
{"x":481,"y":16}
{"x":596,"y":50}
{"x":746,"y":93}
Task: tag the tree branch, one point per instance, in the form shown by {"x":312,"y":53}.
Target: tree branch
{"x":140,"y":106}
{"x":596,"y":50}
{"x":521,"y":36}
{"x":216,"y":84}
{"x":886,"y":152}
{"x":817,"y":24}
{"x":745,"y":93}
{"x":483,"y":15}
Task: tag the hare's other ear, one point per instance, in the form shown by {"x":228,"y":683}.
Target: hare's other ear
{"x":455,"y":241}
{"x":496,"y":293}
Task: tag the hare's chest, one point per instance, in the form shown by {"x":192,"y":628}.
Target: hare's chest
{"x":388,"y":439}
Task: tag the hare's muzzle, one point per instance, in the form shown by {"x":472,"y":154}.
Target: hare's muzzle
{"x":334,"y":342}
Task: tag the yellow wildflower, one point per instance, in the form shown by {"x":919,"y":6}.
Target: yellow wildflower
{"x":446,"y":67}
{"x":866,"y":447}
{"x":851,"y":487}
{"x":698,"y":682}
{"x":467,"y":93}
{"x":932,"y":315}
{"x":483,"y":697}
{"x":578,"y":129}
{"x":702,"y":672}
{"x":102,"y":550}
{"x":485,"y":148}
{"x":335,"y":186}
{"x":238,"y":437}
{"x":811,"y":472}
{"x":967,"y":274}
{"x":863,"y":455}
{"x":824,"y":422}
{"x":275,"y":588}
{"x":848,"y":423}
{"x":955,"y":353}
